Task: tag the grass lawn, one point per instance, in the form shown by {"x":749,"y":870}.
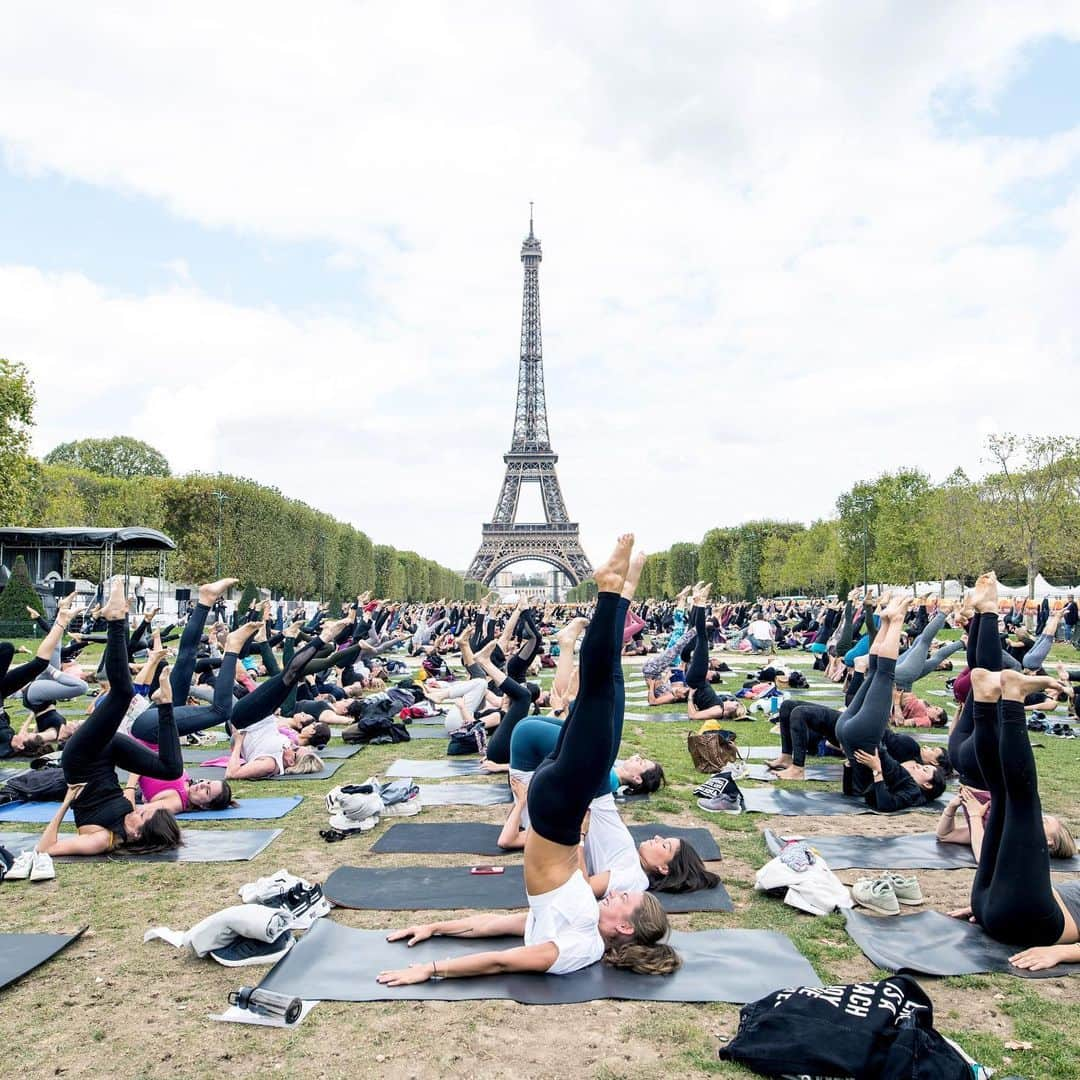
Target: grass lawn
{"x":111,"y":1005}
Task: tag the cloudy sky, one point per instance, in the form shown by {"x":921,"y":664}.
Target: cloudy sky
{"x":786,"y":245}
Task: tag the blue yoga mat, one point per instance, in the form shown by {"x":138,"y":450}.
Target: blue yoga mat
{"x":248,"y":810}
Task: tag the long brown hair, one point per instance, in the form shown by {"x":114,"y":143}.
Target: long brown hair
{"x":686,"y":873}
{"x":645,"y":952}
{"x":160,"y":832}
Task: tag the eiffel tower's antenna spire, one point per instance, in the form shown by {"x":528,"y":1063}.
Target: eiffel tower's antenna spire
{"x":530,"y":218}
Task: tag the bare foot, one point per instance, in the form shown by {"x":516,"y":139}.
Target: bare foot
{"x":330,"y":630}
{"x":571,"y":632}
{"x":984,"y":597}
{"x":1016,"y":686}
{"x":164,"y":690}
{"x":779,"y":762}
{"x":116,"y":607}
{"x":897,"y":607}
{"x":485,"y":653}
{"x":792,"y":772}
{"x":610,"y":576}
{"x":1051,"y":627}
{"x":241,"y":635}
{"x":967,"y":607}
{"x":493,"y":767}
{"x":633,"y":575}
{"x":210,"y":594}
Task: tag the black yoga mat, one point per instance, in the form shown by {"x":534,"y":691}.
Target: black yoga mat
{"x":196,"y":754}
{"x":930,"y":943}
{"x":201,"y":772}
{"x":21,"y":953}
{"x":775,"y":800}
{"x":911,"y":851}
{"x":200,"y":845}
{"x":476,"y":838}
{"x":337,"y":963}
{"x":438,"y":768}
{"x":825,"y":773}
{"x":432,"y":888}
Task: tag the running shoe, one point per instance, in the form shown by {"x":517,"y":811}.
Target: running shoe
{"x":21,"y":867}
{"x":722,"y":804}
{"x":906,"y":888}
{"x":247,"y":952}
{"x":42,"y":868}
{"x":876,"y":894}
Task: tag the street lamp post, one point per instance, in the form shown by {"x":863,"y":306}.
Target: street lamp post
{"x":221,"y":497}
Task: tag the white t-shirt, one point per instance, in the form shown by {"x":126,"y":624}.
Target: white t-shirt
{"x":760,"y":629}
{"x":524,"y":777}
{"x":609,"y":846}
{"x":569,"y":916}
{"x":263,"y":739}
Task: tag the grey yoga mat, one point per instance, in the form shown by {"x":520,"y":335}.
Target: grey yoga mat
{"x":828,"y":773}
{"x":657,"y":717}
{"x":774,"y":800}
{"x":427,"y":731}
{"x":910,"y":851}
{"x":194,"y":755}
{"x":930,"y":943}
{"x":21,"y":953}
{"x":465,"y":794}
{"x":200,"y":845}
{"x":337,"y":963}
{"x":437,"y":768}
{"x":476,"y":838}
{"x":432,"y":888}
{"x":201,"y":772}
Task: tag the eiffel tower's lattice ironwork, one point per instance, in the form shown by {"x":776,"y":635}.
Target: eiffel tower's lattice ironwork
{"x":530,"y":461}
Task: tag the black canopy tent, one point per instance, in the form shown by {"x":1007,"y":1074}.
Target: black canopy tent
{"x":48,"y":550}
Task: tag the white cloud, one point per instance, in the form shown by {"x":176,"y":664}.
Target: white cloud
{"x":765,"y":275}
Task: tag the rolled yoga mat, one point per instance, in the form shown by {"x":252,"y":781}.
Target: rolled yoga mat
{"x":337,"y":963}
{"x":911,"y":851}
{"x":783,"y":801}
{"x":21,"y":953}
{"x":200,"y":845}
{"x":476,"y":838}
{"x":246,"y":810}
{"x":432,"y":888}
{"x":930,"y":943}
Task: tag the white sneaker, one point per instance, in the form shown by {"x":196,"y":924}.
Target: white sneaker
{"x":21,"y":867}
{"x":42,"y":869}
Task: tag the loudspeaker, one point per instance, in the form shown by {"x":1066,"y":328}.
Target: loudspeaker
{"x":61,"y":589}
{"x":183,"y":596}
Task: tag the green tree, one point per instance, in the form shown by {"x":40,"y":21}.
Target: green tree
{"x":901,"y":528}
{"x":957,"y":529}
{"x":16,"y":467}
{"x":1033,"y":491}
{"x":119,"y":456}
{"x":857,"y":511}
{"x":17,"y":595}
{"x":682,"y":562}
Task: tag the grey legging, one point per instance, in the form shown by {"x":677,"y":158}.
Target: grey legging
{"x":1037,"y":654}
{"x":54,"y":685}
{"x":655,"y":666}
{"x":917,"y":661}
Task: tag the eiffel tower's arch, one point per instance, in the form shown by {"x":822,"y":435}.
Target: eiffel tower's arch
{"x":530,"y":460}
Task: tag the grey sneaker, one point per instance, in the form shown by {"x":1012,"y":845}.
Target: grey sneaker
{"x":722,"y":804}
{"x":906,"y":888}
{"x":876,"y":894}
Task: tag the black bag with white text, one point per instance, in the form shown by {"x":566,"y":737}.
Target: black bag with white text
{"x":868,"y":1031}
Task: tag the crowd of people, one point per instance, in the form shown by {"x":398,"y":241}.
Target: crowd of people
{"x":282,"y":686}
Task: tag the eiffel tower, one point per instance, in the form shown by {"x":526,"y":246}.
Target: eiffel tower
{"x":530,"y":461}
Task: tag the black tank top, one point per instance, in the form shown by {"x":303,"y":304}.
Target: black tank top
{"x":103,"y":803}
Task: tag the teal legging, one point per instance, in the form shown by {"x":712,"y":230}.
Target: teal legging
{"x":534,"y":739}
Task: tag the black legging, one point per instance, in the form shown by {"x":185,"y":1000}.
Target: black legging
{"x":862,"y":724}
{"x":800,"y":719}
{"x":845,"y":639}
{"x":1012,"y":897}
{"x":567,"y":781}
{"x":498,"y":747}
{"x":983,"y":651}
{"x":192,"y":718}
{"x":268,"y":695}
{"x":14,"y":679}
{"x":518,"y":664}
{"x":697,"y":671}
{"x":94,"y":752}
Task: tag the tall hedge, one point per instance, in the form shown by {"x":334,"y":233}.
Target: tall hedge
{"x":18,"y":594}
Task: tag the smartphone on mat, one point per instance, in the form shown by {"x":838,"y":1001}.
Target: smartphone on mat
{"x":487,"y":869}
